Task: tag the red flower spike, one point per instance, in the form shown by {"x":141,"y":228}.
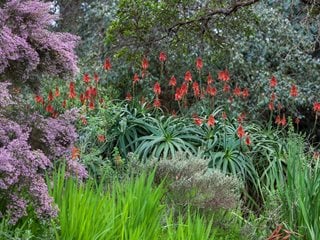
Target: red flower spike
{"x":248,"y":141}
{"x":173,"y":81}
{"x":226,"y":88}
{"x":271,"y":106}
{"x":91,"y":105}
{"x":72,"y":93}
{"x":212,"y":91}
{"x":128,"y":97}
{"x":96,"y":77}
{"x":294,"y":91}
{"x":82,"y":98}
{"x":135,"y":78}
{"x":39,"y":99}
{"x":75,"y":153}
{"x":316,"y":107}
{"x":184,"y":89}
{"x":156,"y":103}
{"x":211,"y":121}
{"x":178,"y":95}
{"x":237,"y":91}
{"x":49,"y":108}
{"x":86,"y":78}
{"x":278,"y":120}
{"x":197,"y":120}
{"x":245,"y":93}
{"x":101,"y":138}
{"x":196,"y":89}
{"x":72,"y":85}
{"x":64,"y":103}
{"x":199,"y":63}
{"x":188,"y":76}
{"x":55,"y":114}
{"x":273,"y":82}
{"x":50,"y":96}
{"x":240,"y":131}
{"x":157,"y":89}
{"x":241,"y":117}
{"x":209,"y":79}
{"x":145,"y":63}
{"x":283,"y":120}
{"x":57,"y":92}
{"x":162,"y":57}
{"x":84,"y":121}
{"x":224,"y":75}
{"x":107,"y":64}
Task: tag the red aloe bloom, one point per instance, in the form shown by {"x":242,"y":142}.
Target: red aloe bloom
{"x":178,"y":95}
{"x":212,"y":91}
{"x":64,"y":103}
{"x":237,"y":91}
{"x":197,"y":120}
{"x":273,"y":82}
{"x":247,"y":141}
{"x":316,"y":107}
{"x":135,"y":78}
{"x":271,"y":106}
{"x":145,"y":63}
{"x":211,"y":121}
{"x":72,"y":94}
{"x":162,"y":57}
{"x":107,"y":64}
{"x":55,"y":114}
{"x":188,"y":76}
{"x":96,"y":77}
{"x":245,"y":93}
{"x":93,"y":91}
{"x":86,"y":78}
{"x":283,"y":120}
{"x":199,"y":63}
{"x":224,"y":75}
{"x":82,"y":98}
{"x":226,"y":88}
{"x":72,"y":85}
{"x":209,"y":79}
{"x":156,"y":103}
{"x":128,"y":97}
{"x":84,"y":121}
{"x":196,"y":89}
{"x":173,"y":81}
{"x":39,"y":99}
{"x":294,"y":91}
{"x":50,"y":96}
{"x":240,"y":131}
{"x":91,"y":105}
{"x":157,"y":89}
{"x":57,"y":92}
{"x":49,"y":108}
{"x":278,"y":120}
{"x":101,"y":138}
{"x":75,"y":153}
{"x":241,"y":117}
{"x":184,"y":89}
{"x":224,"y":115}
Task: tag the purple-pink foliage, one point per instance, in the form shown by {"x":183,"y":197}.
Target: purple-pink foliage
{"x":28,"y":46}
{"x":21,"y":170}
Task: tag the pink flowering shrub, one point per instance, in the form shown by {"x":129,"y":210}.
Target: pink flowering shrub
{"x":27,"y":46}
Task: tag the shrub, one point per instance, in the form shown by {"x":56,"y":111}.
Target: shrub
{"x":27,"y":44}
{"x":190,"y":181}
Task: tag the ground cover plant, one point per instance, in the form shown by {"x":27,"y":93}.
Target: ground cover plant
{"x":170,"y":120}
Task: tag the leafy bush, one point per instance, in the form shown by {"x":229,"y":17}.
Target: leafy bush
{"x":190,"y":181}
